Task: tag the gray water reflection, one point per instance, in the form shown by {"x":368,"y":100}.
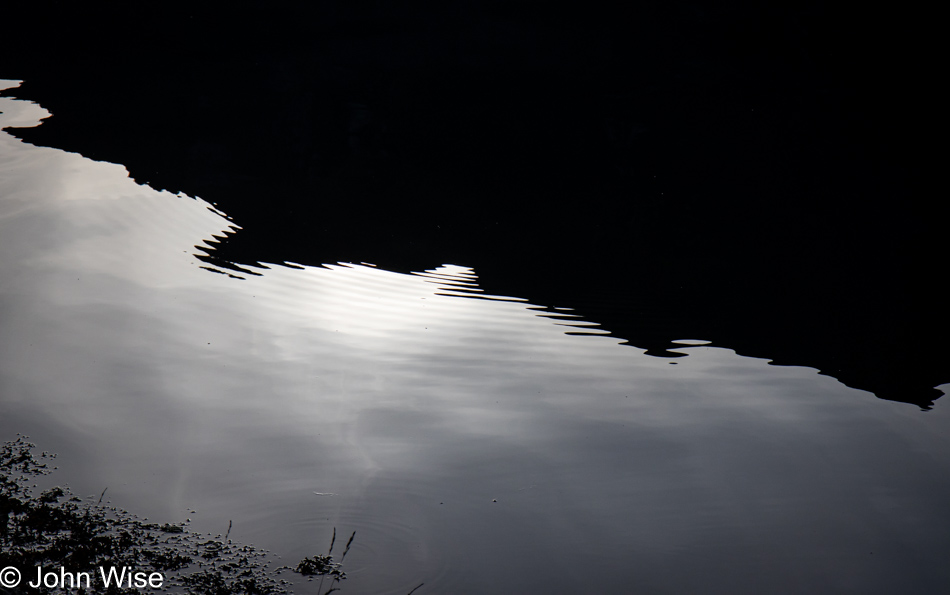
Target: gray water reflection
{"x":472,"y":443}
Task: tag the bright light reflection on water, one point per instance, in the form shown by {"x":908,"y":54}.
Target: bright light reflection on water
{"x":472,"y":443}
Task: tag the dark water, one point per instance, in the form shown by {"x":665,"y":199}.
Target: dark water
{"x":535,"y":299}
{"x":478,"y":443}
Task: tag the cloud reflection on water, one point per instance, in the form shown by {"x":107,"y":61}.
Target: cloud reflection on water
{"x":455,"y":434}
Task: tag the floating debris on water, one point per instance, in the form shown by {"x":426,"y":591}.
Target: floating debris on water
{"x":54,"y":527}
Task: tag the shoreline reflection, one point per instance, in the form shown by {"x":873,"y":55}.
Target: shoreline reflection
{"x":456,"y":431}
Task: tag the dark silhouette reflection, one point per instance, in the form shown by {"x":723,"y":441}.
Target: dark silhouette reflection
{"x":731,"y":175}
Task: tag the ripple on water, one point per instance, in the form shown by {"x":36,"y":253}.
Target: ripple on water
{"x":472,"y":441}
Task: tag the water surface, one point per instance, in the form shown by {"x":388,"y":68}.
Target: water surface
{"x":477,"y":443}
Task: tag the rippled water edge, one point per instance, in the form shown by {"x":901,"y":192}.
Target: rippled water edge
{"x":456,"y":434}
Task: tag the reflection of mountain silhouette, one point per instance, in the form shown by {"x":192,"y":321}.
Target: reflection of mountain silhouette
{"x":736,"y":175}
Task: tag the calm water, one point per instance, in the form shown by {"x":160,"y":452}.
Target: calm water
{"x":481,"y":444}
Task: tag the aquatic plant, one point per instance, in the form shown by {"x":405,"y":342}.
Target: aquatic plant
{"x":54,"y":528}
{"x":324,"y":566}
